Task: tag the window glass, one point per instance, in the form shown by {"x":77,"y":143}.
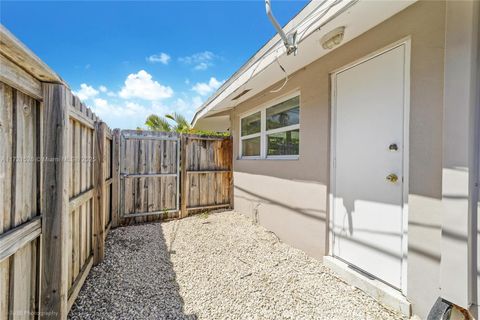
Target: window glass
{"x":283,"y":143}
{"x":283,"y":114}
{"x":251,"y":147}
{"x":251,"y":124}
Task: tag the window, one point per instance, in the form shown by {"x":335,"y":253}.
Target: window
{"x":272,"y":132}
{"x":251,"y":128}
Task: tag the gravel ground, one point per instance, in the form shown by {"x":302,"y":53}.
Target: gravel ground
{"x":217,"y":266}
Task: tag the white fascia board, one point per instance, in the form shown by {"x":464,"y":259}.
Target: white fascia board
{"x":313,"y":18}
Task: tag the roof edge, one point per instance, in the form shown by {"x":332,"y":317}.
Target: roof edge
{"x":308,"y":9}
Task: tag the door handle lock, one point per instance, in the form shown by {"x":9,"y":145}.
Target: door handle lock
{"x":392,"y":177}
{"x":393,"y":147}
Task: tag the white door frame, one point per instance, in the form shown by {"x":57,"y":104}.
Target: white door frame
{"x":406,"y":42}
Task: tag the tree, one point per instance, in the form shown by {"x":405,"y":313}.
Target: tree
{"x":181,"y":123}
{"x":157,"y":123}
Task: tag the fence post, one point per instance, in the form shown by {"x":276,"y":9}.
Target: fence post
{"x":99,"y":185}
{"x":183,"y":185}
{"x":115,"y":178}
{"x":230,"y":165}
{"x":55,"y":218}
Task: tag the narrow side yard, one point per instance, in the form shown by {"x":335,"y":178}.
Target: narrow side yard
{"x":218,"y":266}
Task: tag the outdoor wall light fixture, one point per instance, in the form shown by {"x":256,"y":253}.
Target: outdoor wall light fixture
{"x":333,"y":38}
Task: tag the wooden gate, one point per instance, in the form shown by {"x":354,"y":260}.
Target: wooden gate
{"x":149,"y":175}
{"x":207,"y":179}
{"x":166,"y":175}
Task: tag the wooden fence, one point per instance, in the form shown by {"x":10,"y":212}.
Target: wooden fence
{"x":20,"y":196}
{"x":166,"y":175}
{"x":66,"y":178}
{"x":52,"y":198}
{"x":207,"y":178}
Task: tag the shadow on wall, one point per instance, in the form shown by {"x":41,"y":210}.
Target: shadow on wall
{"x":136,"y":280}
{"x":259,"y":199}
{"x":318,"y":215}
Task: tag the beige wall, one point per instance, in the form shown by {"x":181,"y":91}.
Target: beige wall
{"x":459,"y":153}
{"x":290,"y":197}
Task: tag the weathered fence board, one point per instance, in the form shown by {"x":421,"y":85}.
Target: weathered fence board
{"x":66,"y":178}
{"x":48,"y":194}
{"x":149,"y":175}
{"x":75,"y":204}
{"x":151,"y":185}
{"x":99,"y":221}
{"x":208,"y":174}
{"x":19,"y":202}
{"x":19,"y":79}
{"x":108,"y":174}
{"x":55,"y":202}
{"x":115,"y":200}
{"x":81,"y":191}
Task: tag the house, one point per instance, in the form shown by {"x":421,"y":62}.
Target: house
{"x":362,"y":147}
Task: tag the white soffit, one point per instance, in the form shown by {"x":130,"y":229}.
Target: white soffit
{"x":358,"y":16}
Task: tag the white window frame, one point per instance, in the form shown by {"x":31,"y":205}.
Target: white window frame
{"x":263,"y":129}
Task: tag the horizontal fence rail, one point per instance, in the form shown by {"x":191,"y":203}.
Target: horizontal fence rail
{"x":165,"y":175}
{"x":149,"y":175}
{"x":75,"y":215}
{"x":67,"y":179}
{"x":49,"y":200}
{"x":208,"y":178}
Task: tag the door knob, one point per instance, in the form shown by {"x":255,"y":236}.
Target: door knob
{"x":393,"y":147}
{"x":392,"y":177}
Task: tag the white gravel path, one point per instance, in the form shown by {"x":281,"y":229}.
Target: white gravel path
{"x":219,"y":266}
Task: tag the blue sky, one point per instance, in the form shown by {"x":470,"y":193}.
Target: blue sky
{"x":127,"y":60}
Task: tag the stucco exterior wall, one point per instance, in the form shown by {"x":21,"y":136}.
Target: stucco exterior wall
{"x":290,"y":197}
{"x":458,"y":283}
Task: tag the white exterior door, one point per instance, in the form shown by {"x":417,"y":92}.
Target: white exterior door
{"x":368,"y":164}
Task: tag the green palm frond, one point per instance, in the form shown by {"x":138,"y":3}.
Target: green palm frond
{"x":157,"y":123}
{"x":182,"y":125}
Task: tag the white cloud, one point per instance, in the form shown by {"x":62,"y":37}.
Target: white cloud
{"x":205,"y":88}
{"x":186,"y":105}
{"x":104,"y":108}
{"x":100,"y":103}
{"x":200,"y":60}
{"x":196,"y":102}
{"x":141,"y":85}
{"x":201,"y":66}
{"x":142,"y":96}
{"x":128,"y":114}
{"x":86,"y":92}
{"x":161,"y":57}
{"x":104,"y":89}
